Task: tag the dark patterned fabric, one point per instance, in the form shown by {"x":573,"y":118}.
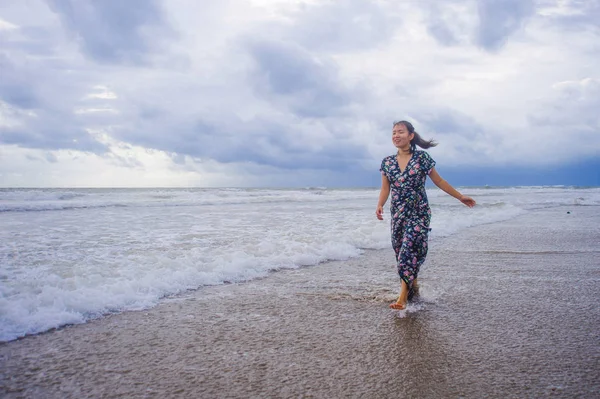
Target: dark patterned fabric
{"x":409,"y":210}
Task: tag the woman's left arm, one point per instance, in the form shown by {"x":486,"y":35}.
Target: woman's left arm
{"x":446,"y":187}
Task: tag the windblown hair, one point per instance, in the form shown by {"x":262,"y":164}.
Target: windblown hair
{"x":417,"y":140}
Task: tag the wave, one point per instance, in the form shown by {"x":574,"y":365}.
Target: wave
{"x":554,"y":252}
{"x":36,"y":201}
{"x":62,"y":200}
{"x":43,"y":208}
{"x":69,"y":270}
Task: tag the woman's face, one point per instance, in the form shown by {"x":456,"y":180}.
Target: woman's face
{"x":400,"y":136}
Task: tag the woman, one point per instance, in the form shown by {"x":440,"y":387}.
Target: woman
{"x":405,"y":173}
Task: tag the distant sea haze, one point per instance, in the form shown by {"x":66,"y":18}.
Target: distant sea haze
{"x":70,"y":255}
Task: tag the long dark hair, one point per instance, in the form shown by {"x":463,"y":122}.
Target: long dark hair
{"x":417,"y":140}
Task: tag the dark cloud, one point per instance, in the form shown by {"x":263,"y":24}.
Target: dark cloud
{"x":15,"y":88}
{"x":443,"y":21}
{"x":288,"y":74}
{"x":287,"y":69}
{"x":579,"y":172}
{"x":43,"y":88}
{"x":499,"y":19}
{"x":112,"y":31}
{"x":447,"y":121}
{"x":457,"y":130}
{"x":258,"y":141}
{"x":39,"y":97}
{"x":51,"y":135}
{"x":441,"y":31}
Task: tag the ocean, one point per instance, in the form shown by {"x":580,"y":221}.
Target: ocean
{"x":71,"y":255}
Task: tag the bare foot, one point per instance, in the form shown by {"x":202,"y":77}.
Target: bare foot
{"x":402,"y":298}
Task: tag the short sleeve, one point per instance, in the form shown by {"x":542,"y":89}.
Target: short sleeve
{"x":427,"y":163}
{"x":384,"y":168}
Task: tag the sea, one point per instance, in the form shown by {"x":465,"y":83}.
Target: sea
{"x":71,"y":255}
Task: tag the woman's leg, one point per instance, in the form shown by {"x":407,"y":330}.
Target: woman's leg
{"x":405,"y":295}
{"x":413,"y":290}
{"x":411,"y":256}
{"x":400,"y":304}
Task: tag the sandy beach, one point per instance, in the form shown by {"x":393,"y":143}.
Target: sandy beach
{"x":506,"y":310}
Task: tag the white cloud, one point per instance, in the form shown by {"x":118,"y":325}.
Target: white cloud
{"x":102,"y":92}
{"x":5,"y":25}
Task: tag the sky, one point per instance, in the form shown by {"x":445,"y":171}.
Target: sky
{"x":287,"y":93}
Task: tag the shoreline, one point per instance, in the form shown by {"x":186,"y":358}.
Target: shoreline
{"x":492,"y":321}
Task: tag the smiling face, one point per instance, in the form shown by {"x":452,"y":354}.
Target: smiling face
{"x":401,"y":137}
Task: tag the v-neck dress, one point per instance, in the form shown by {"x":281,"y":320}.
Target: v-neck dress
{"x":409,"y":210}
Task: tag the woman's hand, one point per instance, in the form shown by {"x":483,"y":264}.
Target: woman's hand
{"x":379,"y":212}
{"x":468,"y":201}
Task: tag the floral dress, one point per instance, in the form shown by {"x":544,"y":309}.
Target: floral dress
{"x":409,"y":211}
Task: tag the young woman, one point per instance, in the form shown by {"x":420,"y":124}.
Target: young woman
{"x":404,"y":173}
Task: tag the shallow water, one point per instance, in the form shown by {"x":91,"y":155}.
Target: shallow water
{"x":506,"y":310}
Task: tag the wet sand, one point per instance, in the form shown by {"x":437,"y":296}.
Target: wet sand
{"x":506,"y":310}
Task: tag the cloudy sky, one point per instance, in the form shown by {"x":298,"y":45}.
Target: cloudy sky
{"x":296,"y":93}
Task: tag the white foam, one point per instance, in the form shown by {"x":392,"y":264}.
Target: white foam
{"x":410,"y":308}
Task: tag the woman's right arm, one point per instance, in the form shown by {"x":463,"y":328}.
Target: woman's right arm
{"x":383,"y":196}
{"x":445,"y":186}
